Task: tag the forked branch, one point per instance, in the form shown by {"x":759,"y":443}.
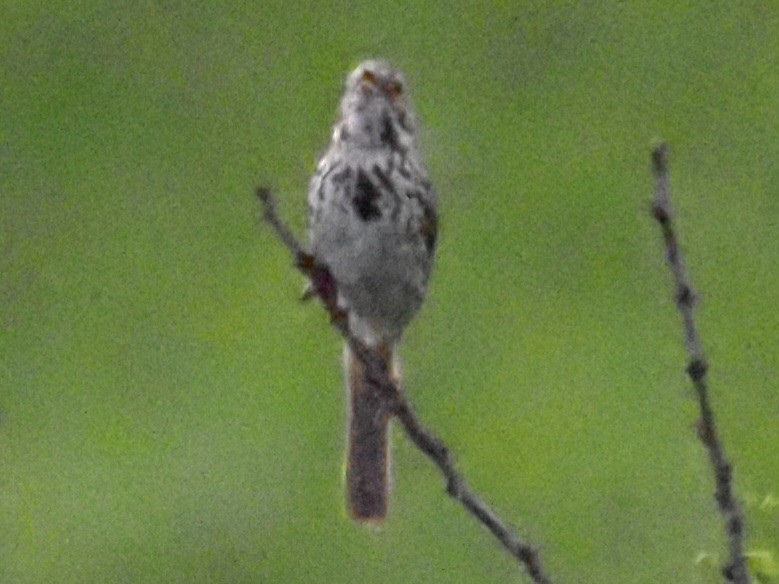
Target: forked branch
{"x":734,"y":570}
{"x":324,"y":286}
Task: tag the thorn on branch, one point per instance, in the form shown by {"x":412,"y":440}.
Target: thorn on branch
{"x":685,"y":296}
{"x":697,"y":369}
{"x":735,"y":528}
{"x":660,"y":213}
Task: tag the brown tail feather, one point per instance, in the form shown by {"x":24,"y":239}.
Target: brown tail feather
{"x":367,"y":449}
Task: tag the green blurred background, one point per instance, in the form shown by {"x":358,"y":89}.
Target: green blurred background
{"x":170,"y":413}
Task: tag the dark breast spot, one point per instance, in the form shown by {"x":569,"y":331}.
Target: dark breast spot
{"x":389,"y":134}
{"x":366,"y":197}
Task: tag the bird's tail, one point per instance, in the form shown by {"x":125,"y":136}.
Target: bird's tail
{"x":367,"y":457}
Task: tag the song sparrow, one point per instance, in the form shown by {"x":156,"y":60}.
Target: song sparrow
{"x":372,"y":222}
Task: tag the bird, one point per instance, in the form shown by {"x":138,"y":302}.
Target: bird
{"x":372,"y":221}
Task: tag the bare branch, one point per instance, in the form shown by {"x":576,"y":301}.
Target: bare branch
{"x":324,"y":286}
{"x":457,"y":488}
{"x":734,"y":570}
{"x":270,"y":215}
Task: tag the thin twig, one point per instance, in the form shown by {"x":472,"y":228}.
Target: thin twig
{"x":324,"y":286}
{"x":270,"y":215}
{"x":734,"y":570}
{"x":457,"y":488}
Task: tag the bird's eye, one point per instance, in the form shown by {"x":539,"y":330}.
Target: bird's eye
{"x":394,"y":88}
{"x":368,"y":76}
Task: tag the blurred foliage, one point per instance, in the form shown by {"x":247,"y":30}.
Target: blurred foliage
{"x":169,"y":412}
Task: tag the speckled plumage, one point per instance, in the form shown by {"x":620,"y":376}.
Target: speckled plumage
{"x":372,"y":221}
{"x":372,"y":216}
